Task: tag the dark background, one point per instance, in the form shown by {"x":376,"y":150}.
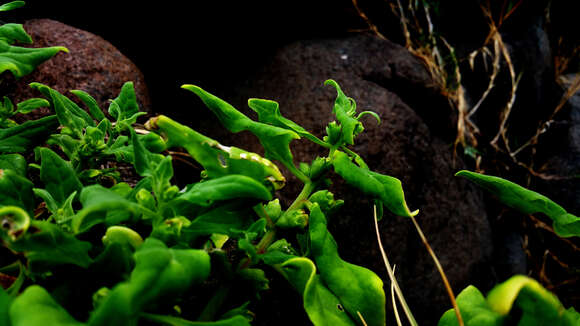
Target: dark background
{"x":213,"y":44}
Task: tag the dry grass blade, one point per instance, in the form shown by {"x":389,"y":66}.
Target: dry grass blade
{"x":394,"y":282}
{"x":514,"y":85}
{"x":572,"y":89}
{"x":491,"y":84}
{"x":369,"y":23}
{"x":395,"y":309}
{"x":441,"y":272}
{"x":362,"y":320}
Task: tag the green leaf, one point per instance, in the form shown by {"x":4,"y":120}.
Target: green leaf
{"x":22,"y":61}
{"x":359,"y":289}
{"x":59,"y":178}
{"x":46,"y":245}
{"x":321,"y":305}
{"x":229,"y":187}
{"x":35,"y":307}
{"x":160,"y":274}
{"x":224,"y":219}
{"x":269,"y":112}
{"x":11,"y":33}
{"x":49,"y":201}
{"x":27,"y":135}
{"x":69,"y":114}
{"x":144,"y":161}
{"x":14,"y":162}
{"x":91,"y":104}
{"x":5,"y":303}
{"x":122,"y":235}
{"x":535,"y":306}
{"x":125,"y":106}
{"x":275,"y":140}
{"x":216,"y":159}
{"x":526,"y":201}
{"x":98,"y":202}
{"x":474,"y":310}
{"x":15,"y":190}
{"x":31,"y":104}
{"x":385,"y":188}
{"x":502,"y":297}
{"x":344,"y":109}
{"x":12,"y":5}
{"x":14,"y":223}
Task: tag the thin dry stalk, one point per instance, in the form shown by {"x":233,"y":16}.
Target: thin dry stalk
{"x":406,"y":32}
{"x":491,"y":84}
{"x":394,"y":282}
{"x":514,"y":85}
{"x":544,"y":126}
{"x":441,"y":272}
{"x":361,"y":318}
{"x":540,"y":224}
{"x":395,"y":309}
{"x":369,"y":23}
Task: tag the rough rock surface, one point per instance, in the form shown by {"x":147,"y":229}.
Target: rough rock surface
{"x":93,"y":65}
{"x":411,"y":144}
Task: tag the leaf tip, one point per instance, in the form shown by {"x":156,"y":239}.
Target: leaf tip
{"x":462,"y":173}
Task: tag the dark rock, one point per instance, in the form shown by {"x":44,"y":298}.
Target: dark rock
{"x":565,"y":162}
{"x":92,"y":65}
{"x":383,"y":77}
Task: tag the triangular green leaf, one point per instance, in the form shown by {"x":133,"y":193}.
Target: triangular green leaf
{"x":22,"y":61}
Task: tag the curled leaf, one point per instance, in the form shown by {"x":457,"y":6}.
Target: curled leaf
{"x":385,"y":188}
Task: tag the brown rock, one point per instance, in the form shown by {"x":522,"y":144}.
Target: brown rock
{"x":412,"y":143}
{"x":93,"y":65}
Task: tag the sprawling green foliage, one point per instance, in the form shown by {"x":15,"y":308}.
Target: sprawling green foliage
{"x":155,"y":244}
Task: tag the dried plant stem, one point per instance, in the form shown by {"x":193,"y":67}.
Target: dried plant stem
{"x":361,"y":318}
{"x":573,"y":89}
{"x":394,"y":282}
{"x":369,"y":23}
{"x":395,"y":309}
{"x":440,"y":269}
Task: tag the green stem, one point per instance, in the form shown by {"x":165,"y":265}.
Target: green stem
{"x":302,"y":196}
{"x":299,"y":174}
{"x":266,"y":241}
{"x":212,"y":308}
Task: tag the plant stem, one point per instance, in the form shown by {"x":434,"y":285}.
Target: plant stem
{"x":299,"y":174}
{"x":214,"y":304}
{"x":440,"y":269}
{"x":392,"y":274}
{"x":302,"y":196}
{"x":266,"y":241}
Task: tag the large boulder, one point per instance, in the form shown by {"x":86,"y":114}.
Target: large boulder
{"x":93,"y":65}
{"x":413,"y":143}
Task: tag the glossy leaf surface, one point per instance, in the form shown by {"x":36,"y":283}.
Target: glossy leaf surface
{"x":275,"y":140}
{"x":385,"y":188}
{"x":27,"y":135}
{"x":359,"y":289}
{"x":160,"y":273}
{"x":46,"y":310}
{"x":526,"y":201}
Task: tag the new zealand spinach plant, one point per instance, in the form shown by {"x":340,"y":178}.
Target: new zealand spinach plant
{"x":83,"y":247}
